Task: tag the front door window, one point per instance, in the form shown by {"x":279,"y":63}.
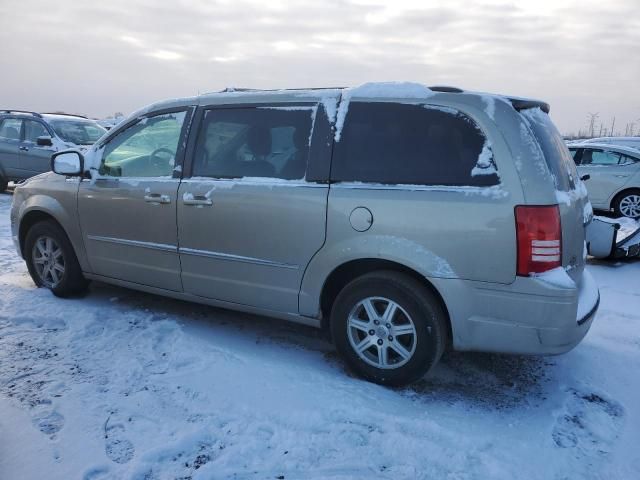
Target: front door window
{"x":33,"y":130}
{"x":146,"y":149}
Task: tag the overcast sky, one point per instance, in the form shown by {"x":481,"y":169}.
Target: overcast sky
{"x":99,"y":57}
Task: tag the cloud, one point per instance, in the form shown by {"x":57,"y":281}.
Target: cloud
{"x":98,"y":57}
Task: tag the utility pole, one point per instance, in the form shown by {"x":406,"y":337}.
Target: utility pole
{"x":613,"y":123}
{"x":592,"y":120}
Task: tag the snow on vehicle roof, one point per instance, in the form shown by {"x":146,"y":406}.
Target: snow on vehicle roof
{"x":388,"y":90}
{"x":611,"y":139}
{"x":635,"y":151}
{"x":66,"y":116}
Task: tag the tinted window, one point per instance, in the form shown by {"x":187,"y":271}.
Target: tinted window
{"x":270,"y":142}
{"x":33,"y":130}
{"x":599,"y":157}
{"x":145,"y":149}
{"x":10,"y":128}
{"x":556,"y":153}
{"x":574,"y":155}
{"x":80,"y":132}
{"x":411,"y":144}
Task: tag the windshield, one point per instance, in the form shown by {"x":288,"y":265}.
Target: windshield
{"x":80,"y":132}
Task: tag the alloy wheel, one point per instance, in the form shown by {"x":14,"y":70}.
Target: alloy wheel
{"x":48,"y":261}
{"x":630,"y":206}
{"x":382,"y":333}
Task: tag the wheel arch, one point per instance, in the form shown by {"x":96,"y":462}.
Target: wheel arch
{"x":29,"y":219}
{"x":41,"y":207}
{"x":350,"y":270}
{"x":615,"y":198}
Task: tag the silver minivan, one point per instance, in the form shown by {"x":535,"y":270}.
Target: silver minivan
{"x":403,"y":220}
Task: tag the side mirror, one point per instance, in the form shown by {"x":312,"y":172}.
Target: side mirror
{"x":44,"y":141}
{"x":586,"y":177}
{"x":69,"y":163}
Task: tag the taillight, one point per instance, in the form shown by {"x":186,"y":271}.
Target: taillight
{"x":539,"y":237}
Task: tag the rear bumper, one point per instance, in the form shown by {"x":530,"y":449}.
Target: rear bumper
{"x":530,"y":316}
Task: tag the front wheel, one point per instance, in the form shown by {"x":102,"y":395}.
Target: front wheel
{"x":388,"y":328}
{"x":4,"y":183}
{"x":51,"y":260}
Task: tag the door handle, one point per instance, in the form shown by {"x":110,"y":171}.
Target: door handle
{"x":157,"y":198}
{"x":24,"y":149}
{"x":622,"y":176}
{"x":197,"y":200}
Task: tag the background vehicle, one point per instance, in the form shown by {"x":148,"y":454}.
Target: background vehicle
{"x":614,"y":171}
{"x":402,"y":219}
{"x":27,"y":140}
{"x":632,"y":142}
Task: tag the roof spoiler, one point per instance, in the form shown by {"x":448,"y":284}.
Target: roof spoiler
{"x":524,"y":103}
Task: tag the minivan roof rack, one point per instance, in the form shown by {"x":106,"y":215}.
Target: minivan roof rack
{"x":35,"y":114}
{"x":236,"y":89}
{"x":446,"y":88}
{"x":242,"y":89}
{"x":64,"y":114}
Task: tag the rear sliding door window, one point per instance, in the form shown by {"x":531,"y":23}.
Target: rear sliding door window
{"x":391,"y":143}
{"x":265,"y":142}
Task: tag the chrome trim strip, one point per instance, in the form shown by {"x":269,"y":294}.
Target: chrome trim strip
{"x":135,"y":243}
{"x":254,"y":183}
{"x":236,"y":258}
{"x":419,"y":188}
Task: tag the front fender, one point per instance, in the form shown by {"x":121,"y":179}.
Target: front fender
{"x":64,"y":211}
{"x":382,"y":247}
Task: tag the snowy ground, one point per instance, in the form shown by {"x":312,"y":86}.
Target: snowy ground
{"x":121,"y":385}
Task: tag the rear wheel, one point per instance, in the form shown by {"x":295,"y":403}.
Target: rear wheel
{"x":388,"y":328}
{"x":627,"y":204}
{"x":51,"y":260}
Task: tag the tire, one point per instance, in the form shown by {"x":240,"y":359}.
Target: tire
{"x":418,"y":314}
{"x":4,"y":183}
{"x":627,"y":203}
{"x":51,"y":260}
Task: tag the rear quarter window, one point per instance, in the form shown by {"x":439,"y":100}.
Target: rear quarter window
{"x":390,"y":143}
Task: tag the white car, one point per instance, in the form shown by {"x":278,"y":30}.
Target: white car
{"x":614,"y":176}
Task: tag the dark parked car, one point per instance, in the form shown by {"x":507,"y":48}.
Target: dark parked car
{"x":28,"y":139}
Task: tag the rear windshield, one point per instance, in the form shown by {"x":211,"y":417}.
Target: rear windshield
{"x":556,"y":154}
